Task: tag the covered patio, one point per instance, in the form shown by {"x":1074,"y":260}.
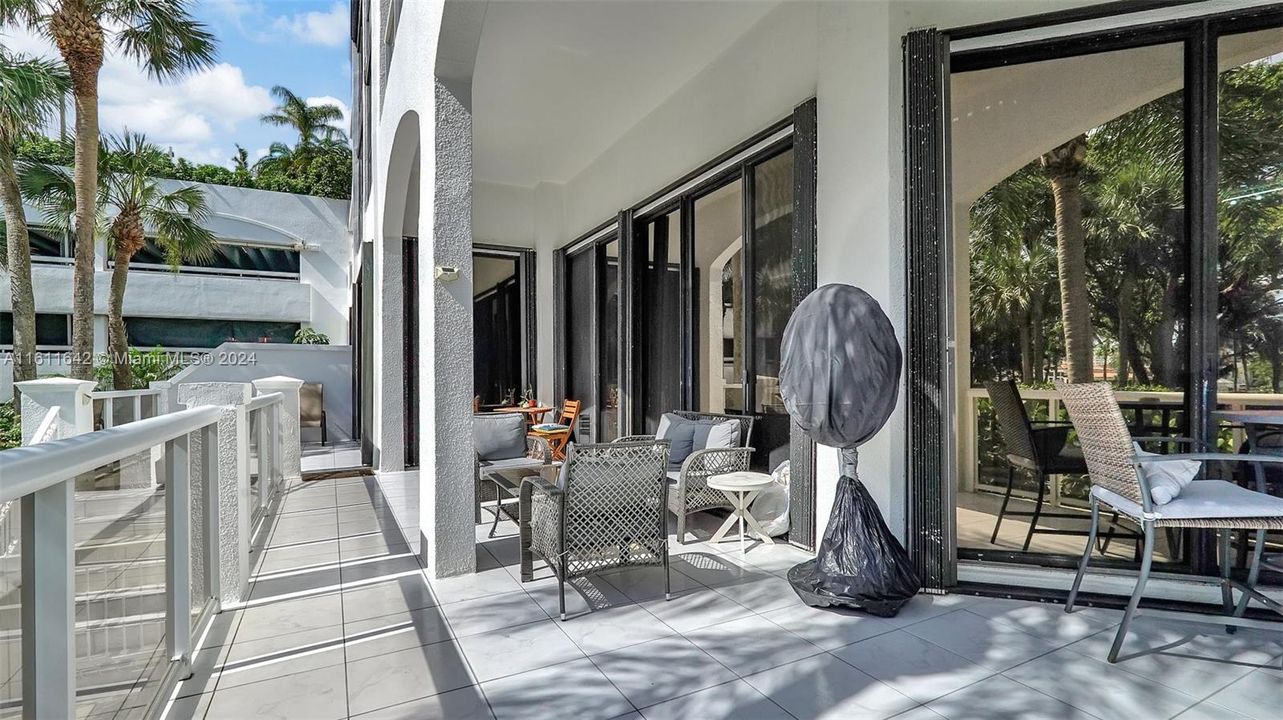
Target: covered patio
{"x":342,"y":621}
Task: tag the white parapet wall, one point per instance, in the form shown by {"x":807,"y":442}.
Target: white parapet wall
{"x":329,"y":365}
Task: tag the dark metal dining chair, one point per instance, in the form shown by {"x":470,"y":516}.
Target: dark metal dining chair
{"x":1040,"y":449}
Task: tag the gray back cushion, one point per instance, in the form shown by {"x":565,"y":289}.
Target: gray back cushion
{"x":499,"y":437}
{"x":688,"y":435}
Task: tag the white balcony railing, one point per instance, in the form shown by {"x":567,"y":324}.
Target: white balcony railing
{"x":110,"y":578}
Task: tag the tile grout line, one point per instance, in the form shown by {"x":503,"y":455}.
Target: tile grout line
{"x":338,"y":549}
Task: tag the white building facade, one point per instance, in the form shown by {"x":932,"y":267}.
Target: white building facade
{"x":281,"y":264}
{"x":578,"y":128}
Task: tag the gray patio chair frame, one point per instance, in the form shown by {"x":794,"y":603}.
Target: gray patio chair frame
{"x":691,"y":494}
{"x":1115,"y":468}
{"x":609,"y":513}
{"x":538,"y":454}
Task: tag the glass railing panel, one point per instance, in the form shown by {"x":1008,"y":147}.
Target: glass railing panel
{"x":120,"y":586}
{"x":10,"y":610}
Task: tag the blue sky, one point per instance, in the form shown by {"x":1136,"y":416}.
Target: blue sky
{"x":301,"y":44}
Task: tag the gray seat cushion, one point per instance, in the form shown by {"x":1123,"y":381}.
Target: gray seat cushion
{"x":1202,"y":499}
{"x":510,"y":463}
{"x":499,"y":436}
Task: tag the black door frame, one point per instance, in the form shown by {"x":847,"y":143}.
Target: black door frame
{"x":681,"y":195}
{"x":526,"y":269}
{"x":929,"y":450}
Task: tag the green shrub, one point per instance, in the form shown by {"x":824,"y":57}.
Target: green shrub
{"x":155,"y":364}
{"x":10,"y":427}
{"x":310,"y":336}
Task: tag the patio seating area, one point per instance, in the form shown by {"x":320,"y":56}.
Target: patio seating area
{"x":342,"y":622}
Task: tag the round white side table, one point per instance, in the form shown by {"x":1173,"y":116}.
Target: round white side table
{"x":740,"y":488}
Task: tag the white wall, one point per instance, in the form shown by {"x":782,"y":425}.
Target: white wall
{"x":329,"y":365}
{"x":847,"y":54}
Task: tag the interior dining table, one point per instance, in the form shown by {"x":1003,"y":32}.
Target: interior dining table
{"x":534,"y":415}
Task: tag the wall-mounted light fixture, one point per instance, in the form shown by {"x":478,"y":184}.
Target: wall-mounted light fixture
{"x":445,"y":273}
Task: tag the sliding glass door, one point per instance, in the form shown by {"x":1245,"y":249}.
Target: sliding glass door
{"x":1093,"y":242}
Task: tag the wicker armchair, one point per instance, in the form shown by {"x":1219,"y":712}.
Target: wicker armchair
{"x":688,"y":490}
{"x":1118,"y":480}
{"x":537,"y":455}
{"x":605,"y":511}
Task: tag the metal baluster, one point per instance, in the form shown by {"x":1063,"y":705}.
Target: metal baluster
{"x":209,"y":476}
{"x":108,"y":413}
{"x":138,"y":408}
{"x":178,"y":566}
{"x":48,"y":603}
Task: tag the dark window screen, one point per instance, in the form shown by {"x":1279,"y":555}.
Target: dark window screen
{"x":50,"y":330}
{"x":47,"y":243}
{"x":195,"y":333}
{"x":232,"y":257}
{"x":579,"y":353}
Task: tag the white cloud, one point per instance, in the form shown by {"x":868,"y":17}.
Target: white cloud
{"x":330,"y":28}
{"x":188,"y":115}
{"x":343,"y":124}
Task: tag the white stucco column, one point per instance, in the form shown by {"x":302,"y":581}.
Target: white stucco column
{"x":290,"y":459}
{"x":231,"y":492}
{"x":445,"y":337}
{"x":71,"y":397}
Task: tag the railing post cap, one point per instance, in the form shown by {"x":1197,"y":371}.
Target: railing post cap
{"x":214,"y":393}
{"x":55,"y":383}
{"x":278,"y":382}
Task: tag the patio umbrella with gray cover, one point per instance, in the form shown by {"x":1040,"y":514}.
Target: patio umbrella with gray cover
{"x":839,"y":378}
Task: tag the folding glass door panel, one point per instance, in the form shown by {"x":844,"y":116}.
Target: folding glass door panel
{"x":1249,"y":204}
{"x":497,"y":330}
{"x":662,"y":318}
{"x":608,"y":392}
{"x":718,"y":239}
{"x":771,"y":285}
{"x":1072,"y":259}
{"x":581,"y":363}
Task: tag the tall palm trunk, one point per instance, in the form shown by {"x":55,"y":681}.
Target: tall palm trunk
{"x":1064,"y":168}
{"x":80,"y":41}
{"x":127,"y":236}
{"x":1126,"y":320}
{"x":18,"y":261}
{"x":122,"y":376}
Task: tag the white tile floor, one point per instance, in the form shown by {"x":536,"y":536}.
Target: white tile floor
{"x":380,"y":641}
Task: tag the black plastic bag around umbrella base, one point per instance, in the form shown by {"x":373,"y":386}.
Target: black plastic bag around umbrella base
{"x":860,"y":563}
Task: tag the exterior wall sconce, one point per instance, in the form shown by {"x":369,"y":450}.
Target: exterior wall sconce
{"x":445,"y":273}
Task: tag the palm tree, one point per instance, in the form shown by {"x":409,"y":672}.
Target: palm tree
{"x":167,"y":40}
{"x":30,"y":93}
{"x":133,"y":205}
{"x":1064,"y":165}
{"x":313,"y":123}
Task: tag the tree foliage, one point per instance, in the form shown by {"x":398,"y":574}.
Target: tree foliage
{"x":1133,"y":190}
{"x":322,"y":166}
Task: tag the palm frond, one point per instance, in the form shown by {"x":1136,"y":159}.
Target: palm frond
{"x":31,"y":90}
{"x":164,"y":37}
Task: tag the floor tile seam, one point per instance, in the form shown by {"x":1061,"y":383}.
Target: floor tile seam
{"x":1121,"y":666}
{"x":732,"y":681}
{"x":1053,"y":697}
{"x":990,"y":672}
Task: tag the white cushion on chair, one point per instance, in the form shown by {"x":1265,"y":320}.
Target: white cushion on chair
{"x":1166,"y":479}
{"x":1202,"y":499}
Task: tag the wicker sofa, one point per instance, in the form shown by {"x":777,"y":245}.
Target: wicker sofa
{"x":688,"y":490}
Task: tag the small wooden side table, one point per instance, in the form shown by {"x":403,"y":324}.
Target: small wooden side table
{"x":741,"y":488}
{"x":533,"y":415}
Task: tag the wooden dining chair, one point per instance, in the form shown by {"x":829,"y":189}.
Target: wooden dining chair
{"x":558,"y":434}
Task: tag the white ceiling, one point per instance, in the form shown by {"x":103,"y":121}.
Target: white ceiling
{"x":556,"y":82}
